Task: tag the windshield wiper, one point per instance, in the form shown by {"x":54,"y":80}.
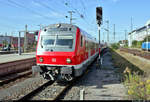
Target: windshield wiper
{"x":41,"y":43}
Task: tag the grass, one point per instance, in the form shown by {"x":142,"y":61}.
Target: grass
{"x":138,"y":88}
{"x":132,"y":75}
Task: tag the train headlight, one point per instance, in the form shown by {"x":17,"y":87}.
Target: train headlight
{"x":68,"y":60}
{"x":41,"y":59}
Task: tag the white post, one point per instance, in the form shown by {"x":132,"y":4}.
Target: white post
{"x":82,"y":94}
{"x":147,"y":36}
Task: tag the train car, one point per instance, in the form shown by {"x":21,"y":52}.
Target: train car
{"x":145,"y":46}
{"x":64,"y":51}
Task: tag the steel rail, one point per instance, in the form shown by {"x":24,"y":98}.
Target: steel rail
{"x":143,"y":54}
{"x":13,"y":78}
{"x":59,"y":95}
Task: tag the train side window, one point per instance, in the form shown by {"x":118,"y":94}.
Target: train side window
{"x":86,"y":45}
{"x":81,"y":42}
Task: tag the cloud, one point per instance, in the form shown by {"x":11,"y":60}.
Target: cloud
{"x":52,"y":15}
{"x":115,"y":1}
{"x":56,"y":14}
{"x":35,"y":3}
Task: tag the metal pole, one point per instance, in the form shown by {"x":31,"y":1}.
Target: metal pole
{"x":19,"y":45}
{"x":25,"y":39}
{"x":99,"y":57}
{"x":71,"y":16}
{"x":103,"y":36}
{"x":99,"y":34}
{"x":131,"y":25}
{"x":125,"y":34}
{"x":114,"y":32}
{"x":107,"y":31}
{"x":11,"y":38}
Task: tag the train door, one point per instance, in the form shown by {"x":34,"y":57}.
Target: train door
{"x":89,"y":48}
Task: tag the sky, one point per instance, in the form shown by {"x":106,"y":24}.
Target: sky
{"x":15,"y":14}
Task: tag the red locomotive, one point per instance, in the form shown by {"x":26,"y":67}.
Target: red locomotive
{"x":64,"y":51}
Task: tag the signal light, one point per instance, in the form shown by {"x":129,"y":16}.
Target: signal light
{"x":99,"y":14}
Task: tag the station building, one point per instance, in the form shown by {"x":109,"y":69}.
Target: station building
{"x":139,"y":34}
{"x":14,"y":40}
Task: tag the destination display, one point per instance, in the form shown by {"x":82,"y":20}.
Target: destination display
{"x":57,"y":29}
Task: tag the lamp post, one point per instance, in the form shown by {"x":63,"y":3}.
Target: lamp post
{"x":107,"y":21}
{"x":19,"y":44}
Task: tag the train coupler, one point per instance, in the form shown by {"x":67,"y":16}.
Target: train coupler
{"x":67,"y":73}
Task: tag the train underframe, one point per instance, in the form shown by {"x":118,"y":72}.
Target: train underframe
{"x":59,"y":73}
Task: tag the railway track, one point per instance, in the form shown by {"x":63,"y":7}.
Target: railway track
{"x":13,"y":77}
{"x":143,"y":54}
{"x":38,"y":94}
{"x":11,"y":71}
{"x":52,"y":90}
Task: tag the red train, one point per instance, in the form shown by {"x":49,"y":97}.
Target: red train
{"x":64,"y":51}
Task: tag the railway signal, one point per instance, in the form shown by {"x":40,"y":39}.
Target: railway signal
{"x":99,"y":14}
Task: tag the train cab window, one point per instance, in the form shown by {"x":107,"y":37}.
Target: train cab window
{"x":48,"y":40}
{"x":58,"y":41}
{"x":64,"y":41}
{"x":81,"y":42}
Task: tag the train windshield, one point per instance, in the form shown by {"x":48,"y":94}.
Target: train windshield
{"x":57,"y":41}
{"x":64,"y":41}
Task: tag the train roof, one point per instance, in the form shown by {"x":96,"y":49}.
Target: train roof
{"x":60,"y":24}
{"x":89,"y":36}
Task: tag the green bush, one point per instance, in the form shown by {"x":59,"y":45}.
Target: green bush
{"x":138,"y":88}
{"x":115,"y":46}
{"x":145,"y":39}
{"x":137,"y":44}
{"x":134,"y":43}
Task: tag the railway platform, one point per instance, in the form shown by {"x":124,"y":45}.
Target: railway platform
{"x":14,"y":57}
{"x":101,"y":83}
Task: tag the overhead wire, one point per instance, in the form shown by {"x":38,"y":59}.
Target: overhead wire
{"x":34,"y":12}
{"x":47,"y":6}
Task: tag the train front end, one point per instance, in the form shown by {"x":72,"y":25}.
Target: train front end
{"x":55,"y":53}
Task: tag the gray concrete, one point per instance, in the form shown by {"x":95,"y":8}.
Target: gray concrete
{"x":13,"y":57}
{"x":104,"y":83}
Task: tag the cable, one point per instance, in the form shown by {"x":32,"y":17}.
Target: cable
{"x":47,"y":6}
{"x":19,"y":5}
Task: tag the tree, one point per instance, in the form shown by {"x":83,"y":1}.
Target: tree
{"x":145,"y":39}
{"x":134,"y":43}
{"x":5,"y":42}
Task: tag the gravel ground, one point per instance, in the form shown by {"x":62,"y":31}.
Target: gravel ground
{"x":49,"y":93}
{"x":14,"y":82}
{"x":20,"y":89}
{"x":100,"y":84}
{"x":142,"y":63}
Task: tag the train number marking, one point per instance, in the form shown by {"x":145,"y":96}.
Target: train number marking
{"x":53,"y":59}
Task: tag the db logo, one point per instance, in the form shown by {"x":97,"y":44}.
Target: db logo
{"x":53,"y":59}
